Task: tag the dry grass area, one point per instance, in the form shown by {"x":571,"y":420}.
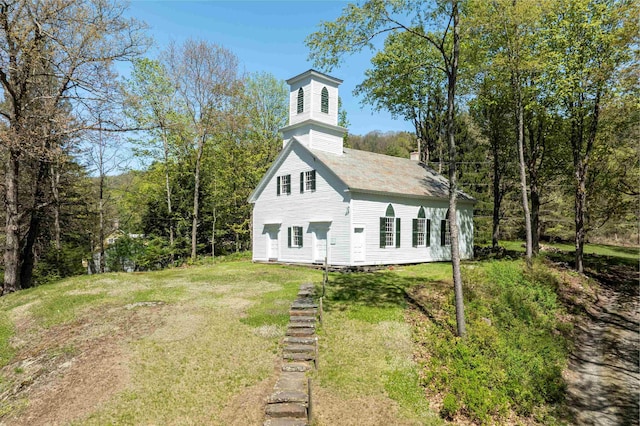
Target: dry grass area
{"x":187,"y":346}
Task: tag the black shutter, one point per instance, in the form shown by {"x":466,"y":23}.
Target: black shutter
{"x":278,"y":186}
{"x":398,"y":232}
{"x":443,"y":232}
{"x":382,"y":233}
{"x":289,"y":184}
{"x":428,"y":232}
{"x":301,"y":182}
{"x":313,"y":180}
{"x":301,"y":235}
{"x":415,"y":232}
{"x":289,"y":233}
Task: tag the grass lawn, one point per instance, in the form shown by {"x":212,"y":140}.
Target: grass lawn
{"x":198,"y":345}
{"x":183,"y":346}
{"x":201,"y":345}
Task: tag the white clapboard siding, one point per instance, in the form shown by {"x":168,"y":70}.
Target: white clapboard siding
{"x":367,"y":209}
{"x":329,"y":202}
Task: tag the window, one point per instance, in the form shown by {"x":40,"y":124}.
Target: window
{"x":389,"y":229}
{"x":308,"y":181}
{"x":295,"y":236}
{"x":300,"y":101}
{"x":445,"y":231}
{"x":324,"y":101}
{"x":421,"y":230}
{"x":283,"y":185}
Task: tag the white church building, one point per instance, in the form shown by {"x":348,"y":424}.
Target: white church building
{"x":353,"y":207}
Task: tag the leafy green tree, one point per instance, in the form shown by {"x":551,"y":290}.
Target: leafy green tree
{"x":355,"y":29}
{"x":152,"y":105}
{"x":588,"y":46}
{"x":57,"y":60}
{"x":405,"y":82}
{"x":207,"y":79}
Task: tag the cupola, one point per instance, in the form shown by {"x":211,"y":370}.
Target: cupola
{"x":313,"y":112}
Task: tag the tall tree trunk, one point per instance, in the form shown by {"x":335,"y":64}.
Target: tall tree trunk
{"x":101,"y":233}
{"x":28,"y":247}
{"x":165,"y":144}
{"x":515,"y":80}
{"x":497,"y":193}
{"x":12,"y":238}
{"x":55,"y":192}
{"x":196,"y":190}
{"x":453,"y":187}
{"x":581,"y":168}
{"x":535,"y":217}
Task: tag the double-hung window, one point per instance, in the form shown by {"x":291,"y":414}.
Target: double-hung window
{"x":389,"y":229}
{"x":308,"y":181}
{"x":283,"y":185}
{"x":445,"y":232}
{"x":421,"y":230}
{"x":295,"y":236}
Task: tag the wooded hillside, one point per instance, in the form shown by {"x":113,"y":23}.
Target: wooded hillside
{"x":546,"y":124}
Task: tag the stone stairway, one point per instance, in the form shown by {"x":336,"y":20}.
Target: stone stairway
{"x":290,"y":402}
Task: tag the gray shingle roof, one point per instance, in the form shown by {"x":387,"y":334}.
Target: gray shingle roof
{"x":370,"y":172}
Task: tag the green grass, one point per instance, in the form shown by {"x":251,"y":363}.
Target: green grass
{"x":212,"y":333}
{"x":366,"y":351}
{"x":514,"y":353}
{"x":597,"y":249}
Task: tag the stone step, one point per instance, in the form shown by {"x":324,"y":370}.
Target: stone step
{"x":301,"y":324}
{"x":304,"y":304}
{"x":287,"y":396}
{"x":300,"y":340}
{"x":301,"y":332}
{"x":303,"y":312}
{"x":291,"y":381}
{"x":299,"y":356}
{"x":306,"y":293}
{"x":304,"y":318}
{"x":297,"y":366}
{"x":299,"y":348}
{"x":307,"y":286}
{"x":285,"y":422}
{"x":287,"y":409}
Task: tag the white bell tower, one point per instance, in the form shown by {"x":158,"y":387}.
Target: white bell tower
{"x":313,"y":112}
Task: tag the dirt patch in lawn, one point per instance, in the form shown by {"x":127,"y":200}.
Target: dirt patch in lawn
{"x":247,"y":408}
{"x":62,"y":373}
{"x":332,"y":409}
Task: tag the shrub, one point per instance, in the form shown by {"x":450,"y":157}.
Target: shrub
{"x":512,"y":357}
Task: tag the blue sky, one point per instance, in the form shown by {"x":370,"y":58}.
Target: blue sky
{"x":266,"y":36}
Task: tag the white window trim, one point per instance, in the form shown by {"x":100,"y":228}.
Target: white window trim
{"x":296,"y":240}
{"x":390,"y":231}
{"x":421,"y":233}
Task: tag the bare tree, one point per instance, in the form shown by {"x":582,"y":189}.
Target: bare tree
{"x":55,"y":56}
{"x":207,"y":79}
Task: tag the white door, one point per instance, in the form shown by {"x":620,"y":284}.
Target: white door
{"x":272,"y":244}
{"x":359,"y":242}
{"x":320,"y":245}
